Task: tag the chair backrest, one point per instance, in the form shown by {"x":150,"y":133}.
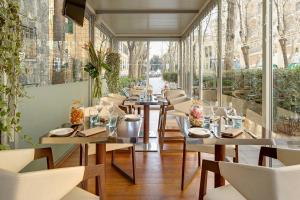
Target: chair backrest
{"x":15,"y":160}
{"x":136,"y":92}
{"x":263,"y":183}
{"x":115,"y":101}
{"x":184,"y":107}
{"x":288,"y":156}
{"x":46,"y":184}
{"x":178,"y":100}
{"x":171,"y":94}
{"x":254,"y":117}
{"x":239,"y":105}
{"x":117,"y":96}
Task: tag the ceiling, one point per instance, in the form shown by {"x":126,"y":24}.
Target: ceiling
{"x":147,"y":18}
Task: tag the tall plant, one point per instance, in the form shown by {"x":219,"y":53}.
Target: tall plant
{"x":95,"y":66}
{"x":112,"y":77}
{"x":10,"y":70}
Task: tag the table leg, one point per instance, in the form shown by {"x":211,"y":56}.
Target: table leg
{"x":219,"y":156}
{"x":146,"y":123}
{"x":101,"y":159}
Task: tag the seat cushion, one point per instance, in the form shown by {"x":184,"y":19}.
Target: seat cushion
{"x":80,"y":194}
{"x":224,"y":192}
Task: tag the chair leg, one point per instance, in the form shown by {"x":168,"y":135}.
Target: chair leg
{"x":199,"y":159}
{"x":236,"y":157}
{"x":163,"y":128}
{"x":83,"y":160}
{"x":183,"y":165}
{"x":133,"y":164}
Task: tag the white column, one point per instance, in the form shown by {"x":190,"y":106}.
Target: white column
{"x":148,"y":63}
{"x":219,"y":56}
{"x":267,"y":81}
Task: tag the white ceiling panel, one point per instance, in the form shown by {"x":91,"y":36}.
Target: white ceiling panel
{"x":146,"y":4}
{"x":147,"y":17}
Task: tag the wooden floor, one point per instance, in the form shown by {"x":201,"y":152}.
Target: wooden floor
{"x":158,"y":175}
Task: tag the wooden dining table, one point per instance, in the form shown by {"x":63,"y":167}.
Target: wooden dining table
{"x":246,"y":138}
{"x":127,"y":132}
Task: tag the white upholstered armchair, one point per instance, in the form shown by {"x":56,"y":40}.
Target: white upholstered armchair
{"x":256,"y":182}
{"x":52,"y":184}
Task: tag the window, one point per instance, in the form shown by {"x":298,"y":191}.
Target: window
{"x":242,"y":56}
{"x":286,"y":69}
{"x":52,"y":51}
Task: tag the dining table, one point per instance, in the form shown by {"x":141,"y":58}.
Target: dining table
{"x":146,"y":101}
{"x":247,"y":137}
{"x":126,"y":132}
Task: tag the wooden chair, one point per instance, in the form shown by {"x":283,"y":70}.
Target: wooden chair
{"x":51,"y":184}
{"x":255,"y":182}
{"x":178,"y":108}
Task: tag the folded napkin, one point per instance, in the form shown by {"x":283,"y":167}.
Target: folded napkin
{"x":92,"y":131}
{"x":131,"y":118}
{"x":231,"y":132}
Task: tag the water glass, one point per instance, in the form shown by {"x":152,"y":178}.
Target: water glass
{"x":112,"y":122}
{"x":237,"y":122}
{"x":206,"y":122}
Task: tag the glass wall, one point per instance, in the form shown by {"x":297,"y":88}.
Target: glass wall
{"x":286,"y":67}
{"x":242,"y":61}
{"x":242,"y":55}
{"x":53,"y":49}
{"x":163,"y":59}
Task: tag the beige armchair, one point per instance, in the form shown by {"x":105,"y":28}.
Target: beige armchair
{"x":53,"y":184}
{"x":255,"y":182}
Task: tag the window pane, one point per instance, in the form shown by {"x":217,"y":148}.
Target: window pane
{"x":242,"y":55}
{"x":286,"y":68}
{"x":209,"y":49}
{"x":52,"y":50}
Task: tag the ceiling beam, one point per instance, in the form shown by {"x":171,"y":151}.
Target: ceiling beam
{"x":147,"y":11}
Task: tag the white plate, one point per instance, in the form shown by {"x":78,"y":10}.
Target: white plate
{"x":201,"y":132}
{"x":61,"y":132}
{"x":131,"y":117}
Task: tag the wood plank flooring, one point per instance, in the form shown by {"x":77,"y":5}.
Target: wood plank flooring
{"x":158,"y":174}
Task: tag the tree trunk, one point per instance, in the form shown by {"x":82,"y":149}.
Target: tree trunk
{"x":282,"y":42}
{"x":131,"y":46}
{"x":245,"y":51}
{"x":230,"y":35}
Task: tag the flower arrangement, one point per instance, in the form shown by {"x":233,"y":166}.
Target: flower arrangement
{"x":196,"y":116}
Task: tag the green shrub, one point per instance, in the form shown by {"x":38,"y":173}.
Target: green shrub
{"x":170,"y":77}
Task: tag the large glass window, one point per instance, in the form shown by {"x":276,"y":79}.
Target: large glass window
{"x":53,"y":50}
{"x":208,"y":53}
{"x":242,"y":55}
{"x":286,"y":67}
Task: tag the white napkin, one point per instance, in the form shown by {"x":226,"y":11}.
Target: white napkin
{"x":92,"y":131}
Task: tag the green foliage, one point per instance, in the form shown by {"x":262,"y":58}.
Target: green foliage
{"x":286,"y":86}
{"x":112,"y":77}
{"x":95,"y":66}
{"x":10,"y":70}
{"x":170,"y":77}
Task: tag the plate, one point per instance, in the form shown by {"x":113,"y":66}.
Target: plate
{"x":131,"y":117}
{"x":61,"y":132}
{"x":199,"y":132}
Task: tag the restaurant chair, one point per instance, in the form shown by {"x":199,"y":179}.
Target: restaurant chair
{"x":255,"y":182}
{"x":231,"y":150}
{"x":51,"y":184}
{"x":181,"y":109}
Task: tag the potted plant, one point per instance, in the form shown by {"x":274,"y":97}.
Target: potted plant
{"x":95,"y":67}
